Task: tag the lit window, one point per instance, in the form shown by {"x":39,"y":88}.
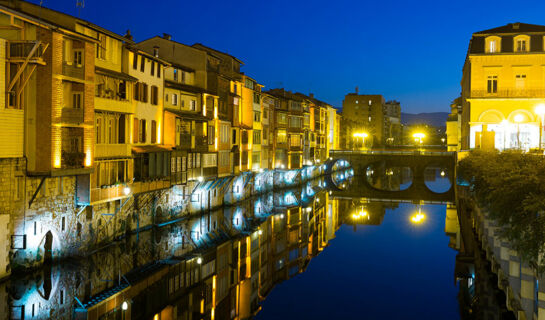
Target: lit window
{"x":522,"y":45}
{"x":492,"y":84}
{"x":492,"y":46}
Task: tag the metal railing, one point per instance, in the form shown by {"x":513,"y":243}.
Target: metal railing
{"x":72,"y":115}
{"x":73,"y":71}
{"x":20,"y":49}
{"x":509,"y":93}
{"x":394,"y":152}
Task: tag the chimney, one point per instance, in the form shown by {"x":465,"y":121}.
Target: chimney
{"x":311,"y":95}
{"x":156,"y":51}
{"x":516,"y":25}
{"x":357,"y":89}
{"x":167,"y":36}
{"x":128,"y":35}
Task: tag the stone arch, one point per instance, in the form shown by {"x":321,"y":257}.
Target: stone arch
{"x":491,"y":116}
{"x":528,"y":116}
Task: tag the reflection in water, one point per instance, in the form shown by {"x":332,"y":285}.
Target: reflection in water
{"x":383,"y":176}
{"x":224,"y":264}
{"x":437,"y":179}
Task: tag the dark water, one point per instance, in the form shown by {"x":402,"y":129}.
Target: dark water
{"x":327,"y":250}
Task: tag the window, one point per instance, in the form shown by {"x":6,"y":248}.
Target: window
{"x":492,"y":84}
{"x":101,"y":47}
{"x":137,"y":91}
{"x":192,"y":105}
{"x":295,"y":140}
{"x":153,"y":68}
{"x":257,"y":116}
{"x":135,"y":130}
{"x":257,"y":137}
{"x":144,"y":92}
{"x":174,"y":99}
{"x":122,"y":90}
{"x":234,"y":136}
{"x":256,"y":98}
{"x":224,"y":133}
{"x":166,"y":97}
{"x":265,"y":113}
{"x":281,"y":136}
{"x":142,"y":131}
{"x":522,"y":45}
{"x":98,"y":130}
{"x":159,"y":69}
{"x":211,"y":134}
{"x":224,"y":158}
{"x":153,"y":131}
{"x":295,"y":122}
{"x":135,"y":61}
{"x":78,"y":58}
{"x":142,"y":64}
{"x":154,"y":95}
{"x":183,"y":77}
{"x":492,"y":46}
{"x":77,"y":98}
{"x":244,"y":137}
{"x":175,"y":71}
{"x":520,"y":81}
{"x":282,"y":118}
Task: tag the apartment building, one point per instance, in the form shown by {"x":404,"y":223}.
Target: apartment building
{"x":503,"y":91}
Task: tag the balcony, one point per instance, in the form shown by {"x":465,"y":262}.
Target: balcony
{"x":72,"y":115}
{"x":73,"y":71}
{"x":20,"y":50}
{"x":509,"y":93}
{"x":201,"y":143}
{"x":72,"y":160}
{"x":112,"y":150}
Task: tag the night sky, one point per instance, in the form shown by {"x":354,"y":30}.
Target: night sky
{"x":411,"y":51}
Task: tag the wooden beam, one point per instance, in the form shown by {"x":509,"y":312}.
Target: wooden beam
{"x":18,"y":74}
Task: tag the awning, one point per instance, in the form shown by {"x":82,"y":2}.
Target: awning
{"x":215,"y":184}
{"x":115,"y":74}
{"x":188,"y":115}
{"x":185,"y":87}
{"x":206,"y":185}
{"x":150,"y":149}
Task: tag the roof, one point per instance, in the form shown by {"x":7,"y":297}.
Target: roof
{"x":34,"y":9}
{"x":196,"y":45}
{"x":511,"y":28}
{"x":115,"y":74}
{"x":189,"y":115}
{"x":184,"y":87}
{"x":149,"y":149}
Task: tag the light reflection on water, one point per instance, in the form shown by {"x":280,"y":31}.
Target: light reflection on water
{"x":368,"y":258}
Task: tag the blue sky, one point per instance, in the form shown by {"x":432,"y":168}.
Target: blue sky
{"x":411,"y":51}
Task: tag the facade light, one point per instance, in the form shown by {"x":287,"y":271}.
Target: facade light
{"x":126,"y":191}
{"x":200,"y":179}
{"x":199,"y":260}
{"x":124,"y":306}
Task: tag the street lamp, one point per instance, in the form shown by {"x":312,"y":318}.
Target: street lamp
{"x":419,"y":136}
{"x":540,"y":111}
{"x":518,"y":119}
{"x":361,"y":135}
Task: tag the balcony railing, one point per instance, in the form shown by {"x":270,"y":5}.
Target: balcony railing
{"x":72,"y":159}
{"x":509,"y":93}
{"x":72,"y":115}
{"x":73,"y":71}
{"x":21,"y":50}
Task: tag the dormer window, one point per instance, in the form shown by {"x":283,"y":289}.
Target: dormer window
{"x":522,"y":43}
{"x":492,"y":44}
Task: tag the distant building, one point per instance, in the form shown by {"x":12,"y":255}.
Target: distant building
{"x":371,"y":114}
{"x":502,"y":84}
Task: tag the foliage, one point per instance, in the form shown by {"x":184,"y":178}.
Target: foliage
{"x":511,"y":187}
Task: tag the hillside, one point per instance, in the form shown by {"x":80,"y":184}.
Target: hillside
{"x":436,"y":119}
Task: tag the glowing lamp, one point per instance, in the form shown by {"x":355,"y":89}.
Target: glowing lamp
{"x":124,"y":306}
{"x":199,"y":260}
{"x":126,"y":191}
{"x":200,"y":178}
{"x":518,"y":118}
{"x":540,"y":109}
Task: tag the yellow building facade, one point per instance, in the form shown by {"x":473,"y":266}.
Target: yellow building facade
{"x":503,"y":89}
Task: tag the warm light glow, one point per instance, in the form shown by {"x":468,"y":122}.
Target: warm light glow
{"x":260,"y":232}
{"x":156,"y":316}
{"x":359,"y":215}
{"x":519,"y":118}
{"x":540,"y":109}
{"x":200,"y":178}
{"x":126,"y":191}
{"x":418,"y":218}
{"x":442,"y":173}
{"x":360,"y":135}
{"x":199,"y":260}
{"x":281,"y":216}
{"x":88,"y":160}
{"x":419,"y":135}
{"x":124,"y":306}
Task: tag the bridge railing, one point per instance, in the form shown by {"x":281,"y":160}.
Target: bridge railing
{"x":393,"y":152}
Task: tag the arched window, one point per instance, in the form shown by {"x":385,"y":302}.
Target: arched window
{"x":492,"y":44}
{"x":522,"y":43}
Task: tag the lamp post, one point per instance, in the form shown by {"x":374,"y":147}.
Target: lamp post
{"x":540,"y":111}
{"x":518,"y":119}
{"x":419,"y":136}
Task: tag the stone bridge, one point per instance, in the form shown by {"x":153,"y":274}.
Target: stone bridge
{"x":418,"y":161}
